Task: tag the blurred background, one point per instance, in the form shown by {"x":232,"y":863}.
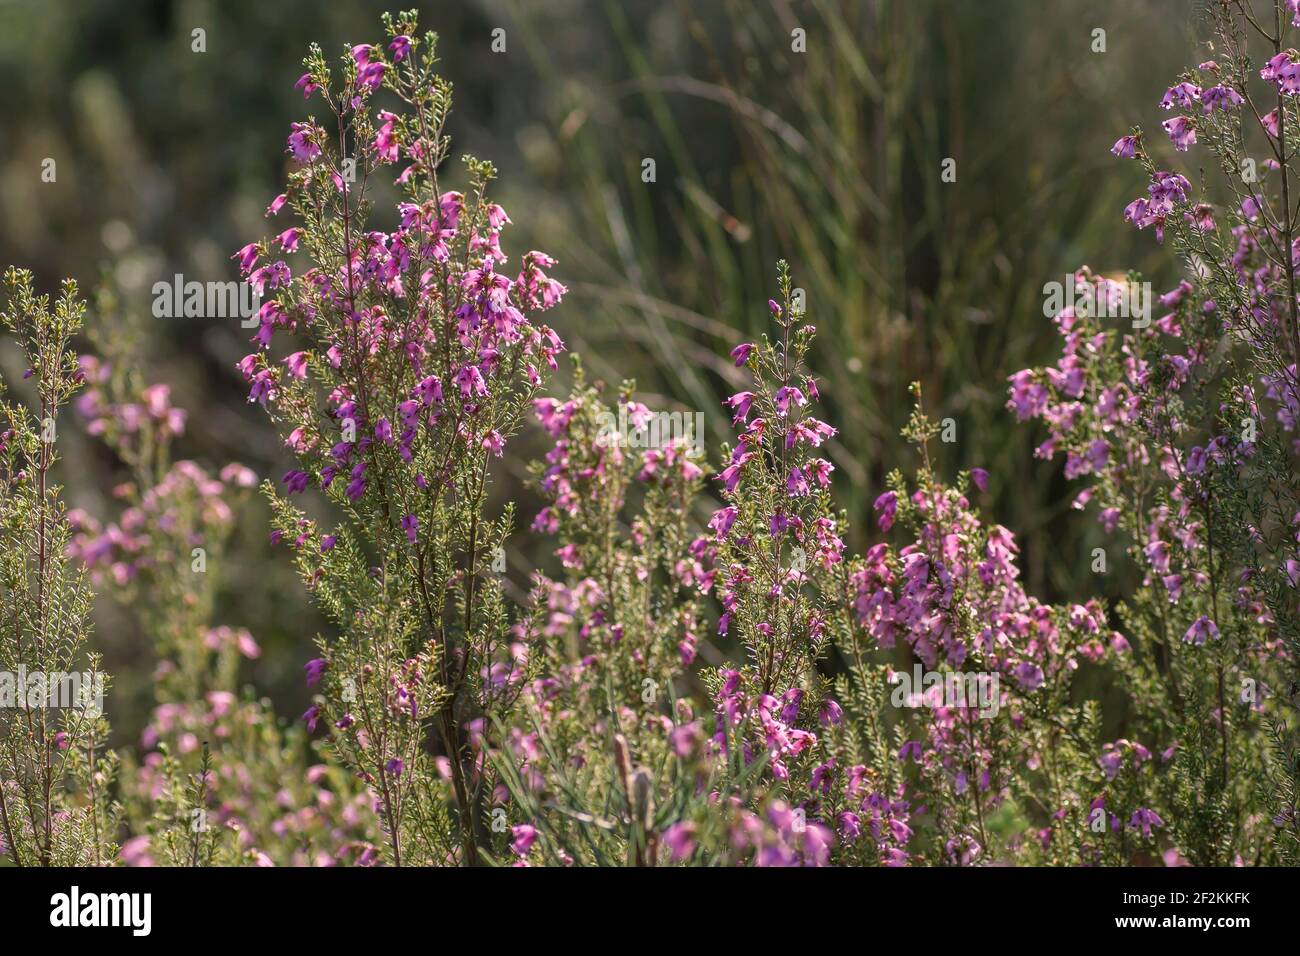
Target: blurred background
{"x":831,"y":158}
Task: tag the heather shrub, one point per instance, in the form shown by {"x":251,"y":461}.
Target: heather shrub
{"x":218,"y":780}
{"x":614,"y":764}
{"x":1183,"y":430}
{"x":413,"y":362}
{"x":603,"y":715}
{"x":1156,"y":437}
{"x":55,"y":778}
{"x":996,"y":762}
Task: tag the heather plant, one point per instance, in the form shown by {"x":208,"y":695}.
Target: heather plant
{"x":1157,"y":435}
{"x":604,"y":720}
{"x":218,"y":780}
{"x":604,"y":773}
{"x":996,"y":764}
{"x":415,"y":360}
{"x":1184,"y":431}
{"x":55,"y":776}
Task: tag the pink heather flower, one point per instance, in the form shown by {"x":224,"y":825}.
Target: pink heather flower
{"x":1202,"y":629}
{"x":1182,"y":130}
{"x":1167,"y":188}
{"x":1183,"y":94}
{"x":276,"y":204}
{"x":410,"y":524}
{"x":741,"y":403}
{"x":370,"y":73}
{"x":295,"y":482}
{"x":831,"y":713}
{"x":1029,"y":398}
{"x":785,"y":395}
{"x":288,"y":239}
{"x":429,"y":391}
{"x":730,"y":476}
{"x":809,"y":430}
{"x":408,"y":411}
{"x":741,"y":353}
{"x":297,"y":365}
{"x":395,"y":766}
{"x":327,"y":543}
{"x":1220,"y":98}
{"x":683,"y":739}
{"x":680,"y":840}
{"x":247,"y":256}
{"x":271,"y":276}
{"x":1028,"y":675}
{"x":1097,"y":454}
{"x":980,"y":478}
{"x":302,"y":144}
{"x":1139,"y":213}
{"x":822,"y":776}
{"x":887,"y":506}
{"x":1281,"y":71}
{"x":494,"y":442}
{"x":554,"y":417}
{"x":385,"y":144}
{"x":135,"y":852}
{"x":311,"y":717}
{"x":1125,"y":147}
{"x":722,"y":520}
{"x":1157,"y":553}
{"x":306,"y":85}
{"x":470,"y":382}
{"x":314,"y":668}
{"x":247,"y":646}
{"x":796,"y":485}
{"x":524,"y":837}
{"x":399,"y":48}
{"x":1109,"y":518}
{"x":1144,"y":819}
{"x":1202,"y":217}
{"x":239,"y":475}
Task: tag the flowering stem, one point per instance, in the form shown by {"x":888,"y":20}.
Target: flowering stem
{"x":1287,"y":222}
